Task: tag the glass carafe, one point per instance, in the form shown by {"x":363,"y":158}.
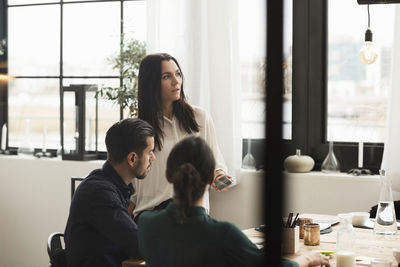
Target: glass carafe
{"x":345,"y":256}
{"x":248,"y":161}
{"x":385,"y":221}
{"x":330,"y":163}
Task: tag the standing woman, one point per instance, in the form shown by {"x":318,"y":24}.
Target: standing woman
{"x":163,"y":104}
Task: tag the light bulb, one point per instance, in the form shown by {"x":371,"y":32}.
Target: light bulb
{"x":367,"y":53}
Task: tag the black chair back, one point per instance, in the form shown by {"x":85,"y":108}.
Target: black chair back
{"x":74,"y":180}
{"x":56,"y":250}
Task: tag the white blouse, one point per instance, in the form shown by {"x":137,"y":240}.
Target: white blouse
{"x":154,"y":188}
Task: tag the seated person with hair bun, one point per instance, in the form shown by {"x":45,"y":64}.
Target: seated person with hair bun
{"x":183,"y":234}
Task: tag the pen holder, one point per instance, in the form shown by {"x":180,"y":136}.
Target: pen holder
{"x":290,"y":240}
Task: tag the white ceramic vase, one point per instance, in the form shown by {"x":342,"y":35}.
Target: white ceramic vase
{"x":298,"y":163}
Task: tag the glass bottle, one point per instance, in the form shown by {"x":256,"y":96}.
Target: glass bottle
{"x":248,"y":161}
{"x":25,"y":146}
{"x":385,"y":221}
{"x":345,"y":256}
{"x":330,"y":163}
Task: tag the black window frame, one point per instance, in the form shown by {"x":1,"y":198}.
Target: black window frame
{"x":3,"y":66}
{"x":309,"y":94}
{"x":256,"y":145}
{"x":4,"y":59}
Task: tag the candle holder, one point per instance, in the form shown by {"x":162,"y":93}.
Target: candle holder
{"x":5,"y":152}
{"x":360,"y":170}
{"x":77,"y":120}
{"x":9,"y":151}
{"x":45,"y":154}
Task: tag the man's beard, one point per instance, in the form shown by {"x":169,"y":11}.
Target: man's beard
{"x":141,"y":176}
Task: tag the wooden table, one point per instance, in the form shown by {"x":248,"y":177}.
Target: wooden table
{"x":367,"y":244}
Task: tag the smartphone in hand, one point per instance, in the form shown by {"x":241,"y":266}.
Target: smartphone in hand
{"x":222,"y":182}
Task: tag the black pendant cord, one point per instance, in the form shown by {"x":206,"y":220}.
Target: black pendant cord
{"x":368,"y":14}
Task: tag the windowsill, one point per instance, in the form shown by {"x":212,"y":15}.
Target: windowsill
{"x":48,"y":160}
{"x":340,"y":176}
{"x":330,"y":193}
{"x":242,"y":173}
{"x":247,"y":174}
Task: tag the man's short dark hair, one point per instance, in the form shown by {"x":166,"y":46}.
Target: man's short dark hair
{"x":125,"y":136}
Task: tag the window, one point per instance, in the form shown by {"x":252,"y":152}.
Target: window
{"x":335,"y":97}
{"x":252,"y":64}
{"x":287,"y":69}
{"x":63,"y":43}
{"x":357,"y":93}
{"x":252,"y":69}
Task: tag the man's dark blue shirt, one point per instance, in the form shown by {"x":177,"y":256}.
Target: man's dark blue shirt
{"x":100,"y":231}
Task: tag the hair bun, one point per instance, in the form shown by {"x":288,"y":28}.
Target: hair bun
{"x":188,"y":168}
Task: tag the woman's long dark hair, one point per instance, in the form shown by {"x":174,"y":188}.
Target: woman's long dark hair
{"x":190,"y":167}
{"x":149,"y":98}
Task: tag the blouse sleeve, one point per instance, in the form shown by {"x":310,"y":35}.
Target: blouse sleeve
{"x":211,"y":139}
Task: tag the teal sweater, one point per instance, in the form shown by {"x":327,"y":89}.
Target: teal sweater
{"x":199,"y":241}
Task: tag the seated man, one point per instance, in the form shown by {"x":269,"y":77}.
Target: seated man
{"x":100,"y":231}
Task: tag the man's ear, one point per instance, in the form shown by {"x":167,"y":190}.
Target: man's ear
{"x":168,"y":179}
{"x":132,"y":158}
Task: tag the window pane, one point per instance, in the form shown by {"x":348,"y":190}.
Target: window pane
{"x":91,"y":35}
{"x":135,"y":20}
{"x":23,"y":2}
{"x":34,"y":102}
{"x":34,"y":47}
{"x":287,"y":69}
{"x":357,"y":93}
{"x":252,"y":65}
{"x":108,"y":114}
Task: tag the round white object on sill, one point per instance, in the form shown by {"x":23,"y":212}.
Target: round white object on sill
{"x":298,"y":163}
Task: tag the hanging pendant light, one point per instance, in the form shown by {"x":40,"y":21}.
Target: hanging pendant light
{"x":367,"y":53}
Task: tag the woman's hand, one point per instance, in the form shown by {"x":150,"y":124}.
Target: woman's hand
{"x":311,"y":259}
{"x":219,"y":174}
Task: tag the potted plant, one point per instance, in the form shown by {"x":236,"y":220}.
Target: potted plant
{"x":127,"y":62}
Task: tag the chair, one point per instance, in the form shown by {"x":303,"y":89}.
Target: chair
{"x":56,"y":250}
{"x":73,"y":186}
{"x":133,"y":263}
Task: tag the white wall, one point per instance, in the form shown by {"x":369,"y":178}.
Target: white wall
{"x":35,"y":198}
{"x":34,"y":202}
{"x":243,"y":203}
{"x":317,"y":192}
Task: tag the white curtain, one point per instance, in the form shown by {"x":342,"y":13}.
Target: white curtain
{"x":203,"y":36}
{"x":391,"y":153}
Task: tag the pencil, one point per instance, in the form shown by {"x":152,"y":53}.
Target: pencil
{"x":294,"y":221}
